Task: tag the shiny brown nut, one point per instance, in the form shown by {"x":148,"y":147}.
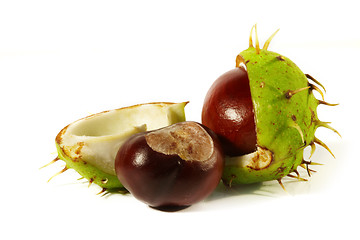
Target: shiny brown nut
{"x":228,"y":111}
{"x":174,"y":166}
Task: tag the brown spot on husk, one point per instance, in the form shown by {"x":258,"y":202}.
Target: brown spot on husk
{"x":281,"y":58}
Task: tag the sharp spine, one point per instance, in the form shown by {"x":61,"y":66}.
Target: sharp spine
{"x":293,"y":124}
{"x":281,"y":184}
{"x":297,"y":173}
{"x":56,"y":174}
{"x":305,"y":165}
{"x":297,"y":177}
{"x":266,"y":45}
{"x":326,"y":125}
{"x":291,"y":93}
{"x":250,"y":39}
{"x":103,"y":190}
{"x":313,"y":148}
{"x":311,"y":163}
{"x":318,"y":141}
{"x":53,"y":161}
{"x":257,"y":45}
{"x":91,"y":180}
{"x":313,"y":87}
{"x":327,"y":104}
{"x":308,"y":76}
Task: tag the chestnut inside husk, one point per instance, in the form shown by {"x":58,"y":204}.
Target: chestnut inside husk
{"x":228,"y":111}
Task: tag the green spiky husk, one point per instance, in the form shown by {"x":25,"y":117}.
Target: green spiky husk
{"x":91,"y":173}
{"x":278,"y":117}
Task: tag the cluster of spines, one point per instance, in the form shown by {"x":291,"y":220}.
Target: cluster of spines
{"x":311,"y":86}
{"x":104,"y":191}
{"x":305,"y":164}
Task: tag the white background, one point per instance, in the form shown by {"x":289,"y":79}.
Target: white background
{"x":63,"y":60}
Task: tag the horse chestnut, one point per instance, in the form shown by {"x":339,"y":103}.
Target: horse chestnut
{"x":174,"y":166}
{"x":228,"y":111}
{"x":264,"y":110}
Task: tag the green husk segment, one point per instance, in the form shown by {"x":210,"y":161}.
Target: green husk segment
{"x":285,"y":119}
{"x":91,"y":173}
{"x":89,"y":145}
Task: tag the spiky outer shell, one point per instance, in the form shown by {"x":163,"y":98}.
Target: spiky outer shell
{"x":285,"y":119}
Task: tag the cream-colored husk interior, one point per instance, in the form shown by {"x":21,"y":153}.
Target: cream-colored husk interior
{"x":97,"y":138}
{"x":257,"y":160}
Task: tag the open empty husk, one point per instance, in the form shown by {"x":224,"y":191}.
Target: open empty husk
{"x":89,"y":145}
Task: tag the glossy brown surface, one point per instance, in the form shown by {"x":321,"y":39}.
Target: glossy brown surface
{"x":228,"y":111}
{"x":166,"y":180}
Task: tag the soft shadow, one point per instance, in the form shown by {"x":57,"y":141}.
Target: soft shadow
{"x":170,"y":208}
{"x":269,"y":189}
{"x":222,"y":191}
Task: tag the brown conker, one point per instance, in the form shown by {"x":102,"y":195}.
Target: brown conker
{"x":174,"y":166}
{"x":228,"y":111}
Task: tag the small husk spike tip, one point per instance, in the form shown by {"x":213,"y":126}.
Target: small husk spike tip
{"x":327,"y":104}
{"x":305,"y":164}
{"x":318,"y":141}
{"x":311,"y":163}
{"x":313,"y":87}
{"x":313,"y":148}
{"x":308,"y":76}
{"x":326,"y":125}
{"x":281,"y":184}
{"x":266,"y":45}
{"x":293,"y":124}
{"x":90,"y":182}
{"x":297,"y":177}
{"x":102,"y":192}
{"x":250,"y":39}
{"x":257,"y":45}
{"x":48,"y":164}
{"x":56,"y":174}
